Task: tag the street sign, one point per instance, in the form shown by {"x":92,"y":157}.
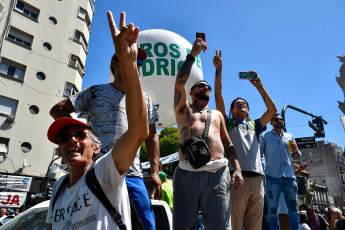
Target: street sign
{"x":306,"y":142}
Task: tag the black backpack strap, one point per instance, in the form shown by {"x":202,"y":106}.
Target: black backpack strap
{"x":97,"y":190}
{"x":207,"y":124}
{"x":62,"y":185}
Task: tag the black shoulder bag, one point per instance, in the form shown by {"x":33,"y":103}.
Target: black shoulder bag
{"x":195,"y":149}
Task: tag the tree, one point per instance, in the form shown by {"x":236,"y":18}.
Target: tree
{"x":168,"y":143}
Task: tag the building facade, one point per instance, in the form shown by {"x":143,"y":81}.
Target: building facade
{"x":326,"y":170}
{"x":341,"y":81}
{"x":43,"y":49}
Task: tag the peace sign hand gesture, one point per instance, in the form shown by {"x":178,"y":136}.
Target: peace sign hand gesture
{"x":217,"y":60}
{"x":125,"y":39}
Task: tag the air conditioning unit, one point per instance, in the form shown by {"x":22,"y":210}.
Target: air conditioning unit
{"x":10,"y":118}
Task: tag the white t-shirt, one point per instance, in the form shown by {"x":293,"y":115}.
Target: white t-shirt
{"x":78,"y":208}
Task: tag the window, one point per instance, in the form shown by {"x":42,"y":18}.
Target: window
{"x":8,"y":106}
{"x":41,"y":76}
{"x":80,"y":38}
{"x":92,"y":3}
{"x":27,"y":10}
{"x":70,"y":90}
{"x":3,"y":148}
{"x":12,"y":69}
{"x":26,"y":147}
{"x":53,"y":20}
{"x":20,"y":37}
{"x":47,"y":46}
{"x":82,"y":14}
{"x":34,"y":109}
{"x":76,"y":63}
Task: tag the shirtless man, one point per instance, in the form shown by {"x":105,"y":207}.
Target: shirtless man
{"x":206,"y":189}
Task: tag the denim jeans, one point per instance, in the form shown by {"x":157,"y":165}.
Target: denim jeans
{"x":274,"y":186}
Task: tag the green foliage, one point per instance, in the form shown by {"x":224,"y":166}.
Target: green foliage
{"x":168,"y":144}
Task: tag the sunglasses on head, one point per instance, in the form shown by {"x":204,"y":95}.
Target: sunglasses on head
{"x":65,"y":137}
{"x":278,"y":119}
{"x":202,"y":85}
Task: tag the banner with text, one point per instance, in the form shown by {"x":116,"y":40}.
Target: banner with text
{"x":12,"y":199}
{"x":18,"y":183}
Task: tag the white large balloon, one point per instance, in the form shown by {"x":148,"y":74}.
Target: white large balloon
{"x":166,"y":52}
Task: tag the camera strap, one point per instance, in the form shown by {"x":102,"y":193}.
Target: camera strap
{"x":207,"y":124}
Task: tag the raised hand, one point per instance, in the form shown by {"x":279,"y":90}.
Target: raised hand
{"x":217,"y":60}
{"x":125,"y":39}
{"x":257,"y":83}
{"x":198,"y":45}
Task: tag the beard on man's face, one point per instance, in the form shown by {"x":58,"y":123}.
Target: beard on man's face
{"x":202,"y":95}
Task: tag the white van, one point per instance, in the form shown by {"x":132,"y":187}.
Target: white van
{"x":35,"y":217}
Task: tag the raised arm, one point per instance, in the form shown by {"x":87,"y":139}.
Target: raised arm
{"x":230,"y":153}
{"x":63,"y":108}
{"x":218,"y":95}
{"x":126,"y":147}
{"x":152,"y":146}
{"x":271,"y":107}
{"x":180,"y":98}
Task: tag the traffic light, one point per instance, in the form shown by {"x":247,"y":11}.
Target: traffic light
{"x":317,"y":126}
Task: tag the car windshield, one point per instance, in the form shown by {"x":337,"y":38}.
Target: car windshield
{"x":34,"y":220}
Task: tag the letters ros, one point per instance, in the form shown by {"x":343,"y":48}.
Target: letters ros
{"x":166,"y":53}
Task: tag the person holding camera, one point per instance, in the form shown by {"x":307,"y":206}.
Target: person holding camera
{"x":202,"y":179}
{"x":247,"y":204}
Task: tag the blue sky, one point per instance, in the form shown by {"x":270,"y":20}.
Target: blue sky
{"x":292,"y":45}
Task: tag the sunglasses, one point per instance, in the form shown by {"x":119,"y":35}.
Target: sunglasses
{"x":278,"y":119}
{"x":240,"y":103}
{"x":202,"y":85}
{"x":65,"y":137}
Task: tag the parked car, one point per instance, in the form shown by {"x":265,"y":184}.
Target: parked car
{"x":35,"y":218}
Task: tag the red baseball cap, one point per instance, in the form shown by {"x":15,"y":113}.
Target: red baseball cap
{"x":61,"y":123}
{"x":142,"y":55}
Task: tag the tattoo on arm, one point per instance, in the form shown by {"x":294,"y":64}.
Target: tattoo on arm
{"x":177,"y":97}
{"x":184,"y":71}
{"x":183,"y":135}
{"x":230,"y":153}
{"x":218,"y":72}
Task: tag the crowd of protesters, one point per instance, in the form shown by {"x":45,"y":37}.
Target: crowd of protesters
{"x":230,"y":166}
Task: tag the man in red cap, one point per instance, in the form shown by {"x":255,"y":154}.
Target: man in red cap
{"x":76,"y":205}
{"x":106,"y":105}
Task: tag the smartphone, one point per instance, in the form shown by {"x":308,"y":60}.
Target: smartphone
{"x":201,"y":35}
{"x":248,"y":75}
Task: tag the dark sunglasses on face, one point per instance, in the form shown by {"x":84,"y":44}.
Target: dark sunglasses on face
{"x":240,"y":103}
{"x":278,"y":119}
{"x":65,"y":137}
{"x":202,"y":85}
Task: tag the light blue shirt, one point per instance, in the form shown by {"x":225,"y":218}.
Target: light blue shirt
{"x":277,"y":158}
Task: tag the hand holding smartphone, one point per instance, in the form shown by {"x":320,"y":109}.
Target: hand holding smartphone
{"x":248,"y":75}
{"x":201,"y":35}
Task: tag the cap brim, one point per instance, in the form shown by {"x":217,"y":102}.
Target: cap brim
{"x":61,"y":123}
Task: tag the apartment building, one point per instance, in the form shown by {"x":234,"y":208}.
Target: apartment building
{"x":43,"y":48}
